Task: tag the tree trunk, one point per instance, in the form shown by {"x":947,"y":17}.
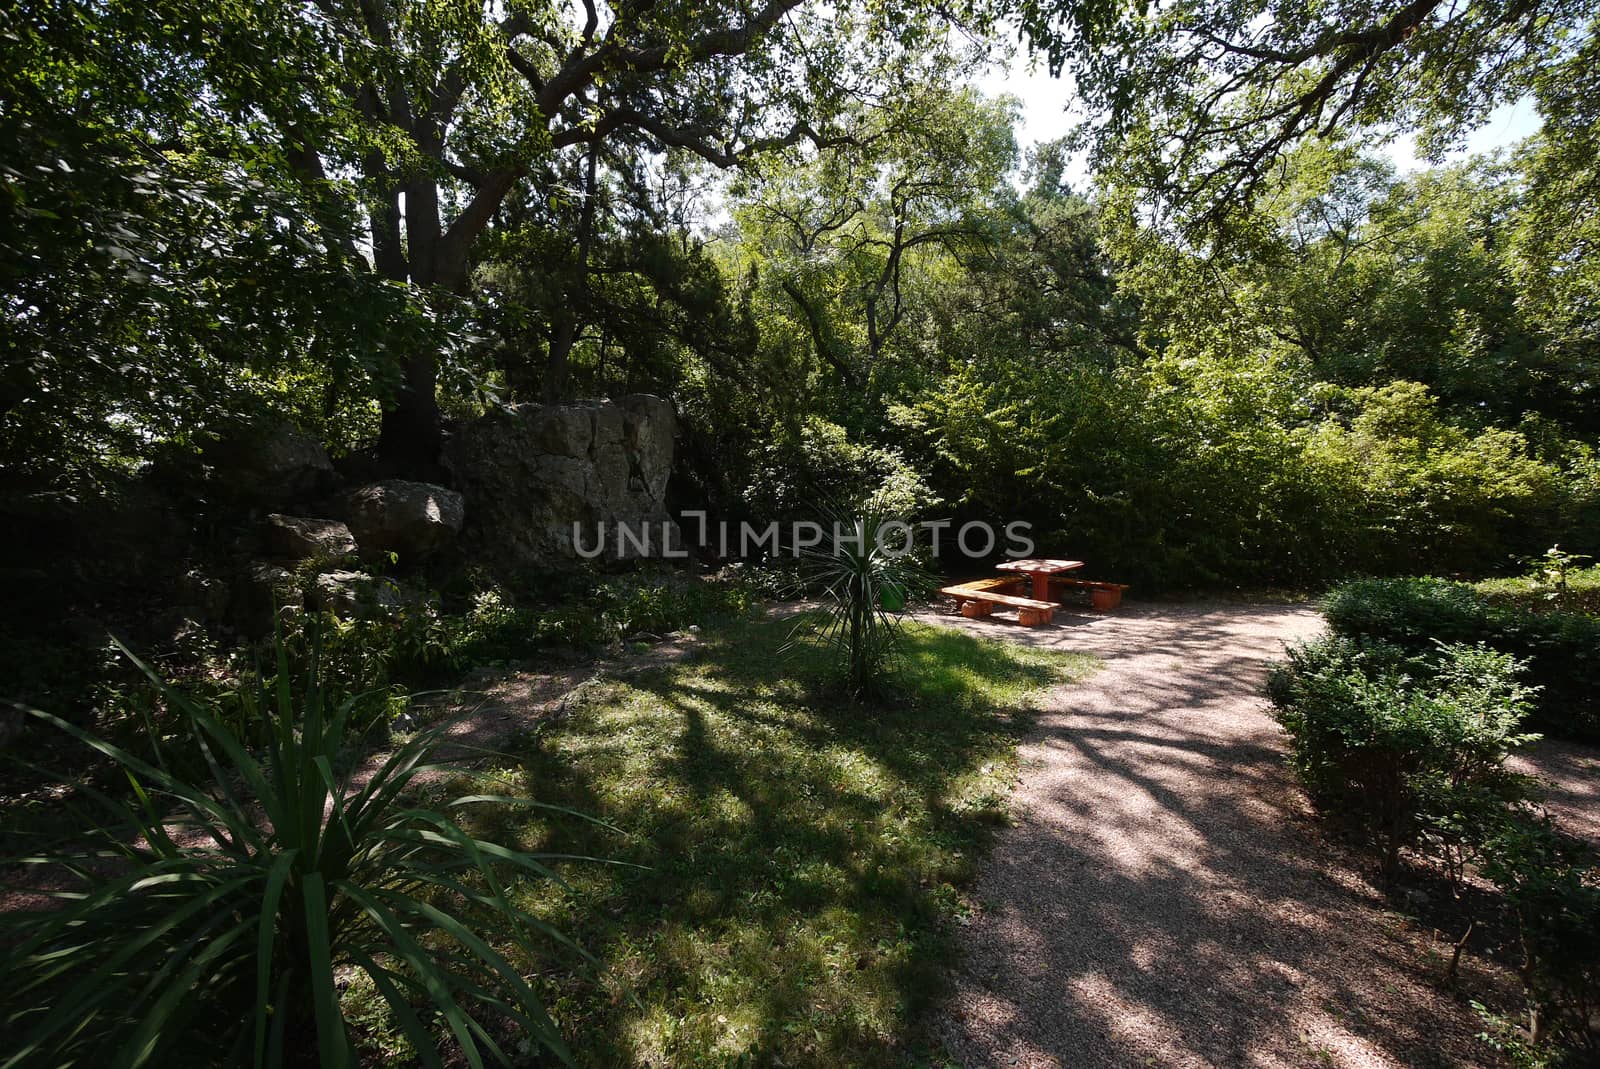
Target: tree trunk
{"x":565,"y":334}
{"x":410,"y":437}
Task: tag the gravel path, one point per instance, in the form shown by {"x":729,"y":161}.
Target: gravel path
{"x":1163,"y":898}
{"x":1571,"y":773}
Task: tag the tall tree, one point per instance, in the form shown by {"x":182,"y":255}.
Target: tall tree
{"x":843,"y":234}
{"x":456,"y":102}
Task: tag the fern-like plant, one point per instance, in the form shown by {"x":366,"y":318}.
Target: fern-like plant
{"x":211,"y":921}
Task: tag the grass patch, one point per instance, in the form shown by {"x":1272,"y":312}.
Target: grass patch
{"x":804,"y":854}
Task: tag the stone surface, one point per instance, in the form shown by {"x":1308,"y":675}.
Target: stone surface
{"x":262,"y":588}
{"x":279,"y":465}
{"x":11,"y":726}
{"x":408,"y":518}
{"x":354,"y":594}
{"x":533,"y":471}
{"x":205,"y":593}
{"x":307,"y":538}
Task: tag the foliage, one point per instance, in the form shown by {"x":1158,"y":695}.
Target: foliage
{"x":1409,"y":749}
{"x":166,"y":277}
{"x":1553,"y":884}
{"x":1561,"y":649}
{"x":1195,"y":105}
{"x":846,"y":241}
{"x":865,"y":565}
{"x":1565,"y":588}
{"x":420,"y":643}
{"x":1426,"y":494}
{"x":821,"y":465}
{"x":1409,"y":753}
{"x":803,"y":864}
{"x":231,"y":903}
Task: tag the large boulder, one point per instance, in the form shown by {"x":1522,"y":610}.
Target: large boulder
{"x":355,"y":594}
{"x":408,"y":518}
{"x":532,"y":472}
{"x":307,"y":538}
{"x":262,"y":588}
{"x":278,"y":466}
{"x":204,"y":595}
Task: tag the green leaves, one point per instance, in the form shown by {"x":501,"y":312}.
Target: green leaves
{"x":863,"y":567}
{"x":240,"y":899}
{"x":1411,"y":751}
{"x":1196,"y":104}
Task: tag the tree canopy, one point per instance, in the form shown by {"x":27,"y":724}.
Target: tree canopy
{"x":803,"y":224}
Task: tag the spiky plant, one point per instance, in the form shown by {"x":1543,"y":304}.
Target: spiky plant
{"x":854,"y":574}
{"x":211,"y":921}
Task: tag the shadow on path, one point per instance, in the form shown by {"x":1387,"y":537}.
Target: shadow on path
{"x":1162,"y":899}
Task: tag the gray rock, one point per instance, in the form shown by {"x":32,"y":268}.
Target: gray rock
{"x":355,"y":594}
{"x":280,"y":465}
{"x":263,"y":587}
{"x":533,"y":471}
{"x":208,"y":595}
{"x":307,"y":538}
{"x":409,"y":518}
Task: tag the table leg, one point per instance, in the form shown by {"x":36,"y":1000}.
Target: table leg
{"x":1041,"y":586}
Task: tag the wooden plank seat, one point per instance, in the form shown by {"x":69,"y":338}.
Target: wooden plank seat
{"x":1005,"y":584}
{"x":979,"y":598}
{"x":1102,"y":595}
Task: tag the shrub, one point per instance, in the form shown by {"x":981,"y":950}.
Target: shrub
{"x":230,"y":904}
{"x":1553,"y":885}
{"x":1409,"y":751}
{"x":822,"y":464}
{"x":858,"y":576}
{"x":1562,"y":650}
{"x":1430,"y":493}
{"x":1555,"y":584}
{"x":660,"y":603}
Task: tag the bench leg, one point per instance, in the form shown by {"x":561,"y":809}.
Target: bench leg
{"x":1035,"y":617}
{"x":976,"y":609}
{"x":1104,"y":600}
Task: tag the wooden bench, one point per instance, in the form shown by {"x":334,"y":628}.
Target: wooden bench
{"x":1102,"y":596}
{"x":979,"y":598}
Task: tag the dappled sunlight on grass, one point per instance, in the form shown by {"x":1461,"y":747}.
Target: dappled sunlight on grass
{"x":803,"y":852}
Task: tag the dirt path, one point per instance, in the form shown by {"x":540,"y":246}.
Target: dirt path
{"x":1162,"y":898}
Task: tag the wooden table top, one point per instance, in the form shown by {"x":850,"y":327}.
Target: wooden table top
{"x":1042,"y":567}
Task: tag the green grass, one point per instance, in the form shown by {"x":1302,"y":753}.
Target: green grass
{"x":1534,"y":593}
{"x":805,"y":854}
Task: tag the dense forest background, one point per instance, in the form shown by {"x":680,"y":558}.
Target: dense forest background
{"x":1248,"y":352}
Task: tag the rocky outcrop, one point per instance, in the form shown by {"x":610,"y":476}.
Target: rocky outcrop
{"x":306,"y":538}
{"x":354,"y":594}
{"x":533,"y":471}
{"x":202,"y":595}
{"x":262,"y":588}
{"x":281,"y":465}
{"x":408,"y":518}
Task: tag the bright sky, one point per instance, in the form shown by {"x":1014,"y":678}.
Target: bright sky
{"x":1045,"y":116}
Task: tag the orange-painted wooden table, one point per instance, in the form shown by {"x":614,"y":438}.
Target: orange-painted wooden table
{"x":1041,"y":571}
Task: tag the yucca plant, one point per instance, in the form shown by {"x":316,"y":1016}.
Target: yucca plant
{"x":858,"y":574}
{"x":212,"y":920}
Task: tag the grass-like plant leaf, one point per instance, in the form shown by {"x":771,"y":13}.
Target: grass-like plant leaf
{"x":236,"y":905}
{"x":855,"y":572}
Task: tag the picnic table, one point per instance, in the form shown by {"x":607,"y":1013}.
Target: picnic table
{"x":979,"y":597}
{"x":1040,"y":571}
